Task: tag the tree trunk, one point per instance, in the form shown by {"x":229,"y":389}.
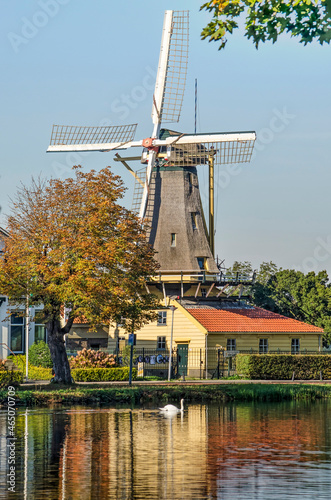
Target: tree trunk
{"x":58,"y":353}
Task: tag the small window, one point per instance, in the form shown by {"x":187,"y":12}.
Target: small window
{"x":173,"y":239}
{"x":194,"y":220}
{"x":95,"y":347}
{"x":39,"y":327}
{"x":161,"y":343}
{"x":231,"y":344}
{"x":162,"y":319}
{"x":15,"y":319}
{"x":201,"y":262}
{"x":263,"y":346}
{"x":295,"y":346}
{"x":190,"y":182}
{"x":203,"y":292}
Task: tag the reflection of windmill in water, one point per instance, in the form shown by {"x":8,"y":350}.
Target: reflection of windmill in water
{"x":167,"y":190}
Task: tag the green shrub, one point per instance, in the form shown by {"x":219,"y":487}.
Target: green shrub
{"x":89,"y":358}
{"x":35,"y":372}
{"x":10,"y":377}
{"x":39,"y":373}
{"x":102,"y":374}
{"x":19,"y":361}
{"x":39,"y":355}
{"x":282,"y":366}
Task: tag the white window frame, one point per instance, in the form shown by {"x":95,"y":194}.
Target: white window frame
{"x":162,"y":319}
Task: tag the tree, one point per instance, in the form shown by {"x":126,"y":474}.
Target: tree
{"x":296,"y":295}
{"x":304,"y":297}
{"x":241,"y":268}
{"x":307,"y":20}
{"x":73,"y":248}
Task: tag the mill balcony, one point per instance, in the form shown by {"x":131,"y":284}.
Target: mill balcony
{"x":203,"y":276}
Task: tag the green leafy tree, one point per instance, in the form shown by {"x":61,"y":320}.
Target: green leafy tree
{"x":305,"y":297}
{"x":296,"y":295}
{"x":266,"y":271}
{"x":39,"y":355}
{"x":241,"y":267}
{"x":72,"y":247}
{"x":306,"y":20}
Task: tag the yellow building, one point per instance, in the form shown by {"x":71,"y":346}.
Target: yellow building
{"x":196,"y":327}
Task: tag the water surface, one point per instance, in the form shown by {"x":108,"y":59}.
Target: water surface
{"x":229,"y":451}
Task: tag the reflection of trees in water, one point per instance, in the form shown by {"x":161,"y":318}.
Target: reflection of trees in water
{"x":133,"y":454}
{"x":249,"y":437}
{"x":107,"y":453}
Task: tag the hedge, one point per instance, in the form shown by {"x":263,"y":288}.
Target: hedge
{"x":35,"y":372}
{"x":102,"y":374}
{"x":282,"y":366}
{"x":8,"y":377}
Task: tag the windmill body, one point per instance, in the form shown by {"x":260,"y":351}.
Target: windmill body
{"x":167,"y":190}
{"x":177,"y":227}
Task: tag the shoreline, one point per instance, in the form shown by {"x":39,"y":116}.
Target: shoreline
{"x":41,"y":394}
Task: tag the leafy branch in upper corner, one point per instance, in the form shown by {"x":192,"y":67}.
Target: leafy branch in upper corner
{"x":307,"y":20}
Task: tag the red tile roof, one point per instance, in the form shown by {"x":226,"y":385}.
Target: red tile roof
{"x":248,"y":320}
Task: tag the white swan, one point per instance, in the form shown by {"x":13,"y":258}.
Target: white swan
{"x":172,"y":408}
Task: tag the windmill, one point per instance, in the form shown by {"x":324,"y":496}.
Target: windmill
{"x":167,"y":190}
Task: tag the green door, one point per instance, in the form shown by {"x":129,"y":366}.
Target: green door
{"x":182,"y":353}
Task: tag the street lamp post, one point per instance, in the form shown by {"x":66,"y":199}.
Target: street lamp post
{"x":27,"y":325}
{"x":173,"y":309}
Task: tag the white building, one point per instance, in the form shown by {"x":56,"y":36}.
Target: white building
{"x":13,"y":323}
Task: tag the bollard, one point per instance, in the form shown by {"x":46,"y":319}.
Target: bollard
{"x":293,"y":376}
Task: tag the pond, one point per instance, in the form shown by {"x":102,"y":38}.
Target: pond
{"x":228,"y":451}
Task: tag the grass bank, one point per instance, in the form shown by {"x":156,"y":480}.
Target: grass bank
{"x":86,"y":395}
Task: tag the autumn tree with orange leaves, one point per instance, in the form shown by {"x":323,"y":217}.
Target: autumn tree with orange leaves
{"x":73,"y":247}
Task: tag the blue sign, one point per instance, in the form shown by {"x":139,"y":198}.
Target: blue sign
{"x":131,"y":339}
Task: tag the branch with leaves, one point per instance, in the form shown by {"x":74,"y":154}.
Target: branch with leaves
{"x":307,"y":20}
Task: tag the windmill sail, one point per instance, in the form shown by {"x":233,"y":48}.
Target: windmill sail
{"x":196,"y":149}
{"x":170,"y":81}
{"x":75,"y":138}
{"x":172,"y":69}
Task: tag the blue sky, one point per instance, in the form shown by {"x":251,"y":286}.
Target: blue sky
{"x":80,"y":62}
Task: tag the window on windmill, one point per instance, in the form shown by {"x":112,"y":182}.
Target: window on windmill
{"x":263,"y":346}
{"x":194,"y":220}
{"x":190,"y":182}
{"x":201,"y":262}
{"x":173,"y":239}
{"x":203,"y":292}
{"x":162,"y":318}
{"x":231,"y":344}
